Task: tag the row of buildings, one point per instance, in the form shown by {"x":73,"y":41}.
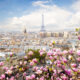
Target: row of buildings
{"x":54,"y":34}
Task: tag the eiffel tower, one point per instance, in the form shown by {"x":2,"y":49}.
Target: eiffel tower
{"x":43,"y":27}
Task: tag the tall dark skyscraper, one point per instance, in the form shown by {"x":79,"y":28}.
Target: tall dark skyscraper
{"x":43,"y":27}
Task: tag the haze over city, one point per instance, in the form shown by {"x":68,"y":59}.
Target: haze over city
{"x":39,"y":39}
{"x":17,"y":14}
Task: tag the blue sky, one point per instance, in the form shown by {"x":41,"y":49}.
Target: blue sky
{"x":11,"y":8}
{"x":60,"y":13}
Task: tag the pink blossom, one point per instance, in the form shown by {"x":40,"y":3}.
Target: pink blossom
{"x":65,"y":52}
{"x":45,"y":69}
{"x":52,"y":78}
{"x":30,"y":53}
{"x":73,"y":65}
{"x":71,"y":79}
{"x":75,"y":69}
{"x":55,"y":71}
{"x":2,"y":77}
{"x":78,"y":52}
{"x":58,"y":50}
{"x":7,"y":78}
{"x":58,"y":78}
{"x":11,"y":67}
{"x":62,"y":66}
{"x":55,"y":54}
{"x":41,"y":52}
{"x":35,"y":68}
{"x":8,"y":72}
{"x":79,"y":66}
{"x":64,"y":60}
{"x":79,"y":37}
{"x":11,"y":54}
{"x":47,"y":75}
{"x":50,"y":57}
{"x":17,"y":75}
{"x":64,"y":78}
{"x":25,"y":62}
{"x":50,"y":53}
{"x":5,"y":68}
{"x":42,"y":78}
{"x":27,"y":77}
{"x":69,"y":57}
{"x":58,"y":65}
{"x":58,"y":62}
{"x":41,"y":68}
{"x":78,"y":59}
{"x":12,"y":78}
{"x":32,"y":76}
{"x":50,"y":44}
{"x":34,"y":60}
{"x":71,"y":51}
{"x":54,"y":49}
{"x":1,"y":63}
{"x":55,"y":57}
{"x":55,"y":62}
{"x":25,"y":57}
{"x":68,"y":72}
{"x":21,"y":63}
{"x":38,"y":72}
{"x":24,"y":74}
{"x":31,"y":63}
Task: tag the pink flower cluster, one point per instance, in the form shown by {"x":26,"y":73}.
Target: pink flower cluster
{"x":59,"y":65}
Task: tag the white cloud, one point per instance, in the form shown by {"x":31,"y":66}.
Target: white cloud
{"x":55,"y":18}
{"x":76,"y":5}
{"x":40,"y":3}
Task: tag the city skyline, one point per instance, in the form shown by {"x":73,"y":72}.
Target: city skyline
{"x":58,"y":14}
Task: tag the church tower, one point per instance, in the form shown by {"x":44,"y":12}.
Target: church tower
{"x":25,"y":33}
